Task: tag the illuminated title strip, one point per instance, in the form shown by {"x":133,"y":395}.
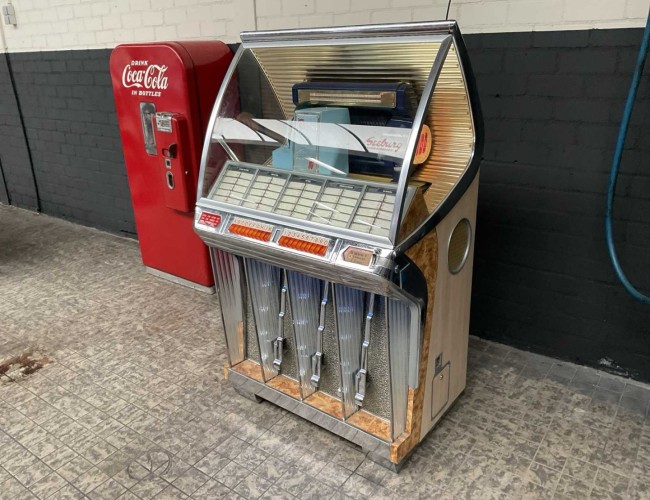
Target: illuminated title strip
{"x":251,"y":229}
{"x":353,"y":98}
{"x":304,"y":242}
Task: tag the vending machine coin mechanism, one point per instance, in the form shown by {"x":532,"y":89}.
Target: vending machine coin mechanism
{"x":338,"y":193}
{"x":163,"y":96}
{"x":172,"y":135}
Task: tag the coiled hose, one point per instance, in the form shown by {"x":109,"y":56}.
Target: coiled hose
{"x":616,"y":163}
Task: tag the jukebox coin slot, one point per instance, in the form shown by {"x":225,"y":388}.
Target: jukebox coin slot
{"x":363,"y":257}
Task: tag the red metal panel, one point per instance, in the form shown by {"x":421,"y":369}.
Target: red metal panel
{"x":178,"y":78}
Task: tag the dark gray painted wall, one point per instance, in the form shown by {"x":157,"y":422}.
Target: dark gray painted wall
{"x":16,"y":178}
{"x":551,"y":101}
{"x":67,"y":104}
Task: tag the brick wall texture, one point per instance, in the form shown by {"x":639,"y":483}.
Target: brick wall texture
{"x":67,"y":104}
{"x":552,"y":102}
{"x":17,"y":182}
{"x":71,"y":24}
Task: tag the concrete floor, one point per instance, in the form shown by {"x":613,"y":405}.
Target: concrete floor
{"x":132,"y":402}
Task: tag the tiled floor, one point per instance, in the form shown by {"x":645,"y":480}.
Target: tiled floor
{"x":133,"y":403}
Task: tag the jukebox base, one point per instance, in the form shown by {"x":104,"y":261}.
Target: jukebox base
{"x":377,"y":449}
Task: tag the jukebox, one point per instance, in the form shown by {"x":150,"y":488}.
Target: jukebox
{"x":338,"y":193}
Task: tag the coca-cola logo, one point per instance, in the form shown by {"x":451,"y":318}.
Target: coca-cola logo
{"x":383,"y":144}
{"x":144,"y":76}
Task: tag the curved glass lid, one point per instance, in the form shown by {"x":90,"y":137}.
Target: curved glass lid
{"x":317,"y":136}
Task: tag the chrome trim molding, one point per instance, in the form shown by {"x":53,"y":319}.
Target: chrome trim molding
{"x":471,"y":171}
{"x":213,"y":118}
{"x":423,"y":106}
{"x":357,"y":31}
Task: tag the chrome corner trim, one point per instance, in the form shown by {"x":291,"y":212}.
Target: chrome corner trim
{"x":427,"y":92}
{"x":219,"y":288}
{"x":288,"y":222}
{"x":378,"y":30}
{"x":213,"y":118}
{"x":473,"y":164}
{"x":377,"y":280}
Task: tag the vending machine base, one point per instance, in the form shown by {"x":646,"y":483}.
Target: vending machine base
{"x":179,"y":281}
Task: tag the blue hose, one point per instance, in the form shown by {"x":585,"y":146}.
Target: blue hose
{"x":616,"y":163}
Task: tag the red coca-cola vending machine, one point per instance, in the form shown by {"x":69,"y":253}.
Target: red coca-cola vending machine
{"x":164,"y":93}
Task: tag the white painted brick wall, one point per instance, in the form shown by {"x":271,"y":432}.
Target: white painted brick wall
{"x":78,"y":24}
{"x":81,"y":24}
{"x":472,"y":15}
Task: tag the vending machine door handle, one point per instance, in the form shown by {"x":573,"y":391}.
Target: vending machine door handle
{"x":171,"y":151}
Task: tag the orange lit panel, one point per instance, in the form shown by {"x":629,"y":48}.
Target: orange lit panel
{"x":304,"y":242}
{"x":251,"y":229}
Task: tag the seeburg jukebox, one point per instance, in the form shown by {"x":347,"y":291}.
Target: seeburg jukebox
{"x":338,"y":195}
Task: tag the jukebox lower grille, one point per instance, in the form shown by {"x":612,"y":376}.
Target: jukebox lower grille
{"x":349,"y":315}
{"x":264,"y":283}
{"x":342,"y":350}
{"x":305,"y":299}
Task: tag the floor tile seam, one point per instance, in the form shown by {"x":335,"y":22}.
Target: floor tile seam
{"x":23,"y":446}
{"x":560,"y":478}
{"x":532,"y":460}
{"x":47,"y":420}
{"x":466,"y":456}
{"x":22,"y":468}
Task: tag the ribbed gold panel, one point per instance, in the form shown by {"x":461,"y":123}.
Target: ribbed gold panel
{"x":448,"y":115}
{"x":450,"y":120}
{"x":382,"y":62}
